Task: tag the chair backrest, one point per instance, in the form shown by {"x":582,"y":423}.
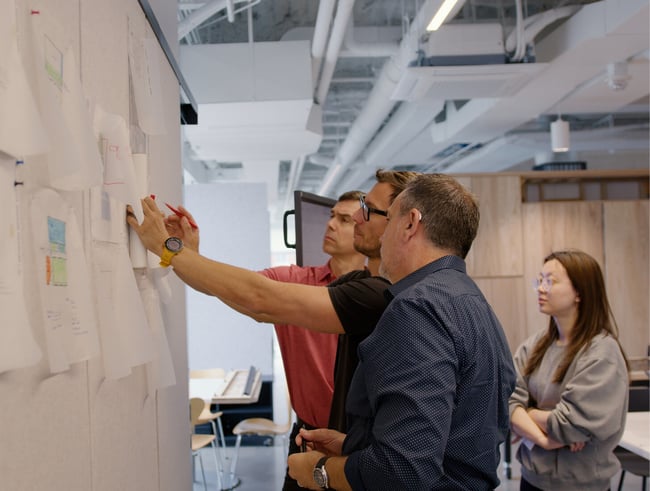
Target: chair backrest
{"x":208,"y":373}
{"x":196,"y":408}
{"x":639,"y":398}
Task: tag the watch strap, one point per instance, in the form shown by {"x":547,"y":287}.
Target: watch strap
{"x":169,"y":251}
{"x":320,"y":469}
{"x":166,"y":257}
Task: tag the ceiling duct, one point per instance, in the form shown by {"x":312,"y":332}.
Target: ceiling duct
{"x":255,"y":100}
{"x":464,"y":61}
{"x":378,"y":105}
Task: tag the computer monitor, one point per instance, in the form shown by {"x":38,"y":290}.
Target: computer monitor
{"x":311,"y":215}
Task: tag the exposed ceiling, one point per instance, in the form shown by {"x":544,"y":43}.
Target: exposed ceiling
{"x":473,"y":96}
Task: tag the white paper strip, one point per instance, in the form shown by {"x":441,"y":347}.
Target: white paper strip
{"x":160,"y":371}
{"x":137,"y":252}
{"x":126,"y":338}
{"x":73,"y":159}
{"x":144,"y":63}
{"x":21,"y":128}
{"x":119,"y":173}
{"x":17,"y":346}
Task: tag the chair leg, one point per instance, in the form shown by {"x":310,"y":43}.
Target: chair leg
{"x":233,"y":464}
{"x":216,"y":463}
{"x":223,"y":440}
{"x":644,"y":483}
{"x":205,"y":484}
{"x":219,"y":461}
{"x":217,"y":430}
{"x":620,"y":481}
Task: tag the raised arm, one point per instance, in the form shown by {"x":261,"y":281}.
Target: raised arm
{"x":261,"y":298}
{"x":247,"y":291}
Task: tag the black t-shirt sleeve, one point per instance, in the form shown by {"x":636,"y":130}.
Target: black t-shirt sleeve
{"x":359,"y":301}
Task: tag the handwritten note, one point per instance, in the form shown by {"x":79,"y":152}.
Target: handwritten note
{"x":73,"y":158}
{"x":66,"y":293}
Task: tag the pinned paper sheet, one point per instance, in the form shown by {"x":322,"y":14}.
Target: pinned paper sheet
{"x":119,"y":179}
{"x":160,"y":371}
{"x":137,"y":251}
{"x":73,"y":160}
{"x":107,"y":217}
{"x":126,"y":338}
{"x":21,"y":128}
{"x":64,"y":282}
{"x":17,"y":346}
{"x":9,"y":259}
{"x":144,"y":63}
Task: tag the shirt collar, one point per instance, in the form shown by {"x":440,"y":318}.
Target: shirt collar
{"x":324,"y":273}
{"x":445,"y":262}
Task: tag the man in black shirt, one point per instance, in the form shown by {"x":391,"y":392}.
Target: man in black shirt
{"x":428,"y":403}
{"x":350,"y":307}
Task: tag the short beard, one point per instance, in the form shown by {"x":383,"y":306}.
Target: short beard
{"x":369,"y":253}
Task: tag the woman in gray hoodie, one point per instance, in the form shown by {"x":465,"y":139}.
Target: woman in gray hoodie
{"x":570,"y":401}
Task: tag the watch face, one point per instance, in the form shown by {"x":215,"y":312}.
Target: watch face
{"x":319,"y":478}
{"x":320,"y":474}
{"x":174,"y":244}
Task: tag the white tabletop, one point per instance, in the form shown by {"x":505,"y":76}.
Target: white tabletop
{"x":636,"y":437}
{"x":229,"y":390}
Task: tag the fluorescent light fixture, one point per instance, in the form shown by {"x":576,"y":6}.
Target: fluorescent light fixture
{"x":560,"y":135}
{"x":440,"y":16}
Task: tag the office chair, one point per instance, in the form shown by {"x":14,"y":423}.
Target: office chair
{"x":639,"y":400}
{"x":207,"y":416}
{"x":197,"y":406}
{"x":259,"y":427}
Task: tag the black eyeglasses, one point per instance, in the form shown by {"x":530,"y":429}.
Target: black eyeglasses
{"x":367,"y":210}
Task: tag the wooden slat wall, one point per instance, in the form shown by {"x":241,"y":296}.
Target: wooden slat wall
{"x":507,"y":298}
{"x":497,"y":250}
{"x":555,"y":226}
{"x":514,"y":238}
{"x":626,"y":270}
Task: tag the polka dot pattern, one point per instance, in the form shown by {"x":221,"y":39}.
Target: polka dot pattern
{"x":428,"y":405}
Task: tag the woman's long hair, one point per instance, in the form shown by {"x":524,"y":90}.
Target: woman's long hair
{"x":594,"y":313}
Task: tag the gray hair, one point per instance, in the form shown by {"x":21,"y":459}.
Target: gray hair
{"x":450,"y":213}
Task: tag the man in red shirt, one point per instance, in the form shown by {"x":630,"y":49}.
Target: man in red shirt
{"x":308,"y":356}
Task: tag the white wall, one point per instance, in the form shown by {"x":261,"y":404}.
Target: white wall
{"x":234,"y":223}
{"x":75,"y":430}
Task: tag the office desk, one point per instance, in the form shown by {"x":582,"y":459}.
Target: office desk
{"x":232,"y":389}
{"x":228,"y":390}
{"x":636,"y":437}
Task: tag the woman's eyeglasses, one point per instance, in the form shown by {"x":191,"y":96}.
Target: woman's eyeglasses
{"x":543,"y":283}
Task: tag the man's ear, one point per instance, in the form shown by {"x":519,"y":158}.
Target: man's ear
{"x":414,"y":217}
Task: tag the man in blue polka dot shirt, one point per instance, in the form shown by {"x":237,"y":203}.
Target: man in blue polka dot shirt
{"x":428,"y":404}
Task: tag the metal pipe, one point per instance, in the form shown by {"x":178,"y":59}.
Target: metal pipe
{"x":379,"y":104}
{"x":200,"y":15}
{"x":343,"y":14}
